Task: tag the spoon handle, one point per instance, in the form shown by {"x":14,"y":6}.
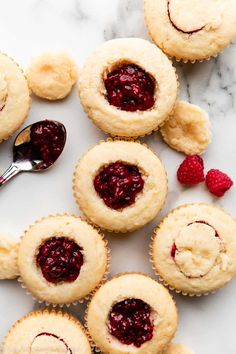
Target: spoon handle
{"x":12,"y":171}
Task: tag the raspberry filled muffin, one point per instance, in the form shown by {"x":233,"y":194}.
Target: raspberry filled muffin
{"x":191,"y":29}
{"x":8,"y":258}
{"x":132,"y":313}
{"x":62,"y":259}
{"x":47,"y":332}
{"x":128,"y":87}
{"x":188,"y":129}
{"x":52,"y":76}
{"x":193,"y":249}
{"x":14,"y":97}
{"x":177,"y":349}
{"x":120,"y":185}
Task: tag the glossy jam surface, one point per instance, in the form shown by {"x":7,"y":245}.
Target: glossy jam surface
{"x":47,"y":139}
{"x":60,"y":260}
{"x":118,"y":184}
{"x":130,"y":88}
{"x":130,"y":322}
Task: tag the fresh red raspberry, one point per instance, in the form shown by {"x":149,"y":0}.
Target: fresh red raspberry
{"x":191,"y":170}
{"x":218,"y":182}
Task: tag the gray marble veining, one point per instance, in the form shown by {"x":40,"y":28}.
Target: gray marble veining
{"x":31,"y":27}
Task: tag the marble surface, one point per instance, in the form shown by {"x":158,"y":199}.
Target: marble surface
{"x":31,"y":27}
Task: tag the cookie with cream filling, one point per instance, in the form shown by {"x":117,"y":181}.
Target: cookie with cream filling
{"x":47,"y":332}
{"x":193,"y":249}
{"x":191,"y":30}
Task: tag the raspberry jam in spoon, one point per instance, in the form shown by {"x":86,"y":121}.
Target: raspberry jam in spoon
{"x":36,"y":148}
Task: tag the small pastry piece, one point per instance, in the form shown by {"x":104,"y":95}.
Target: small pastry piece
{"x":194,"y":247}
{"x":62,"y":259}
{"x":47,"y":332}
{"x":177,"y":349}
{"x":8,"y":258}
{"x":51,"y":76}
{"x":191,"y":30}
{"x":132,"y":313}
{"x":120,"y":185}
{"x":128,"y":87}
{"x":188,"y":129}
{"x":14,"y":97}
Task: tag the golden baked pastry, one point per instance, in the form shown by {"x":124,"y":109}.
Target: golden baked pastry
{"x":14,"y":97}
{"x":52,"y":75}
{"x":120,"y":185}
{"x":193,"y":249}
{"x":47,"y":332}
{"x":132,"y":313}
{"x":128,"y":87}
{"x":188,"y":129}
{"x":191,"y":30}
{"x":62,"y":259}
{"x":8,"y":258}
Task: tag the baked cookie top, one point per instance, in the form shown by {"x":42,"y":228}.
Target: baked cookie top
{"x":52,"y":75}
{"x":191,"y":29}
{"x":193,"y":249}
{"x":132,"y":313}
{"x":120,"y":185}
{"x":178,"y":349}
{"x":62,"y":259}
{"x":128,"y":87}
{"x":188,"y":129}
{"x":8,"y":258}
{"x":14,"y":97}
{"x":48,"y":333}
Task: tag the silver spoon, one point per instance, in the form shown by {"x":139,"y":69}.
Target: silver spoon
{"x":36,"y":148}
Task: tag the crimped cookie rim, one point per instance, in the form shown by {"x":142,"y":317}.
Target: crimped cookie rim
{"x":140,"y":135}
{"x":94,"y":346}
{"x":151,"y":246}
{"x":114,"y":139}
{"x":180,"y":59}
{"x":48,"y":311}
{"x":88,"y":296}
{"x":29,"y":103}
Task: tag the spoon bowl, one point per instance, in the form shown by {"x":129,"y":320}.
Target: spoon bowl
{"x":36,"y":148}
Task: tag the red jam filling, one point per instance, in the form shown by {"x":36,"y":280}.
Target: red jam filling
{"x":130,"y":322}
{"x":47,"y":139}
{"x":56,"y":337}
{"x":130,"y":88}
{"x":173,"y":250}
{"x":118,"y":184}
{"x":60,"y":260}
